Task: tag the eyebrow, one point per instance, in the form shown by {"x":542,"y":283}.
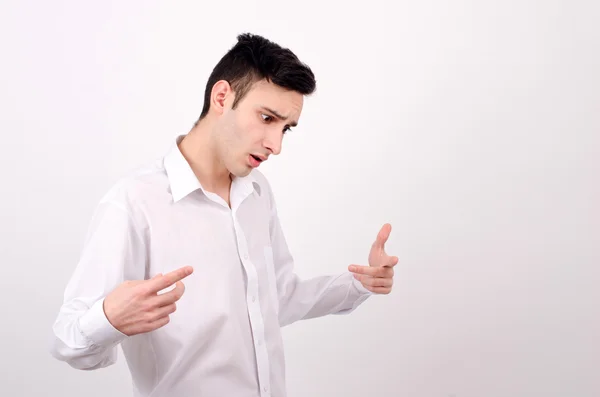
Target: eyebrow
{"x":279,"y":116}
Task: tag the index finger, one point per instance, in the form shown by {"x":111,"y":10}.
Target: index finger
{"x":373,"y":271}
{"x":162,"y":282}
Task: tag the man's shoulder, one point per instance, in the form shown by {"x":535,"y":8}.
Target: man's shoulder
{"x":144,"y":181}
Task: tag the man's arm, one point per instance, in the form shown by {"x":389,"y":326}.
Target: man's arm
{"x":108,"y":297}
{"x":315,"y":297}
{"x":113,"y":252}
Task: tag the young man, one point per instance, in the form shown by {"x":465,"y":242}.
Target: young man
{"x":205,"y":214}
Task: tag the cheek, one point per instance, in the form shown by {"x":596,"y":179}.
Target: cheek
{"x":244,"y":135}
{"x":238,"y":129}
{"x":250,"y":134}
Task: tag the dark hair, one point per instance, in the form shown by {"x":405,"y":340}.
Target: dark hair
{"x":254,"y":58}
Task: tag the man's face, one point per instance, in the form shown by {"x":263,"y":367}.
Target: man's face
{"x":254,"y":130}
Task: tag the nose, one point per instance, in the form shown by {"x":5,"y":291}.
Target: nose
{"x":273,"y":143}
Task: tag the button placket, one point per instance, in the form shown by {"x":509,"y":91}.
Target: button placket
{"x":254,"y":311}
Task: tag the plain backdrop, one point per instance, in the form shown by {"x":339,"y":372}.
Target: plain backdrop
{"x":473,"y":127}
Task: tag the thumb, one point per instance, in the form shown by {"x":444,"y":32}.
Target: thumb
{"x":383,"y":235}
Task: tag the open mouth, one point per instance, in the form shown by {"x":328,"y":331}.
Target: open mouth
{"x":255,"y":161}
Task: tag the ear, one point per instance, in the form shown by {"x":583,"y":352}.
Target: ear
{"x":220,"y":96}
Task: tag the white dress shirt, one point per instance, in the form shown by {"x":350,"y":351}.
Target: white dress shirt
{"x":225,"y":338}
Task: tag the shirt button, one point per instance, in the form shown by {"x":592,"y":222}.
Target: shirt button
{"x":265,"y":389}
{"x":246,"y":256}
{"x":253,"y":298}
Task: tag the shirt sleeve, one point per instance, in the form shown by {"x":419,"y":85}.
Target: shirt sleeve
{"x":301,"y":299}
{"x":113,"y":252}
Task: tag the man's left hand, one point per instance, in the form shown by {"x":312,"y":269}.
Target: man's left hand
{"x":378,"y":276}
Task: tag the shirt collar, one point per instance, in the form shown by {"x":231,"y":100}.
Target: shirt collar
{"x":183,"y":181}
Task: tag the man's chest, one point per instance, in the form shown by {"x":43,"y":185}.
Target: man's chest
{"x":229,"y":252}
{"x":204,"y":236}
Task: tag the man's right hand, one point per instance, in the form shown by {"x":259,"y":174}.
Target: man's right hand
{"x":136,"y":307}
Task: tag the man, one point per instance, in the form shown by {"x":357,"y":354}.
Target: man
{"x":205,"y":214}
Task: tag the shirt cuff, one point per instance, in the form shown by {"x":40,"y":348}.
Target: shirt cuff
{"x":96,"y":328}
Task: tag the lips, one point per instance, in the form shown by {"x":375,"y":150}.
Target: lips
{"x":255,"y":160}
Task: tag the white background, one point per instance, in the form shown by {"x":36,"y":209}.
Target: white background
{"x":473,"y":127}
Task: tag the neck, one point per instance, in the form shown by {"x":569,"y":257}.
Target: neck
{"x":198,"y":148}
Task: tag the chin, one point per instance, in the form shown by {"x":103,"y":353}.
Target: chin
{"x":239,"y":169}
{"x":241,"y":172}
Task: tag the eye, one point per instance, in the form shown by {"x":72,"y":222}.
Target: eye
{"x":267,"y":119}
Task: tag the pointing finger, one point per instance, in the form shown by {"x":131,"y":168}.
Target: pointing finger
{"x":378,"y":271}
{"x":159,"y":283}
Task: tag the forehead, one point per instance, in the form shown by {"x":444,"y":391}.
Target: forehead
{"x":264,"y":93}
